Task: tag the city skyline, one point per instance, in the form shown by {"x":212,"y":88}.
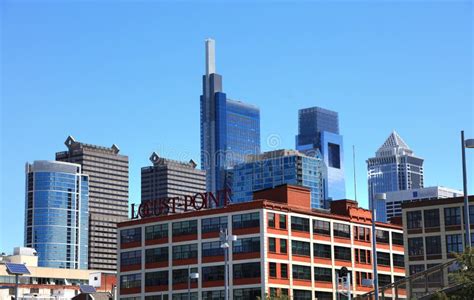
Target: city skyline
{"x":436,"y":138}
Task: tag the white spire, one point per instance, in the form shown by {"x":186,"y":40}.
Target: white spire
{"x":210,"y":56}
{"x":394,"y":145}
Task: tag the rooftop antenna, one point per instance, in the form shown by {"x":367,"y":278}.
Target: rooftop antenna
{"x":355,"y":178}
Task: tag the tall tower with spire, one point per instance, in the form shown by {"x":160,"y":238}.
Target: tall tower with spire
{"x":394,"y":168}
{"x":230,"y":130}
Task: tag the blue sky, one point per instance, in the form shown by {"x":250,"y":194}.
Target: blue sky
{"x":130,"y":74}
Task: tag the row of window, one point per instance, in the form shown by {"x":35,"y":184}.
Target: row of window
{"x":431,"y":217}
{"x":432,"y":244}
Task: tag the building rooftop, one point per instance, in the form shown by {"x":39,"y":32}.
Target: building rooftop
{"x":394,"y":144}
{"x":436,"y":202}
{"x":72,"y":144}
{"x":161,"y":161}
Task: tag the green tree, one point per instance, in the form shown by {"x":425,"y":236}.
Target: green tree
{"x":464,"y":276}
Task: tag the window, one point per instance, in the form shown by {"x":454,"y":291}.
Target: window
{"x":431,"y":218}
{"x":416,"y":269}
{"x":156,"y":232}
{"x":397,"y":238}
{"x":323,"y":295}
{"x":271,"y":244}
{"x":415,"y":247}
{"x":245,"y":294}
{"x":299,"y":224}
{"x":284,"y":270}
{"x":362,"y":256}
{"x":342,"y":253}
{"x":156,"y":297}
{"x":130,"y":235}
{"x":433,"y":245}
{"x":282,"y":221}
{"x":185,"y":296}
{"x":454,"y":243}
{"x":382,"y":236}
{"x":272,"y":269}
{"x":301,"y":272}
{"x":246,"y":220}
{"x":322,"y":250}
{"x":302,"y":294}
{"x":213,"y":295}
{"x":246,"y":245}
{"x":362,"y":233}
{"x":213,"y":224}
{"x":130,"y":281}
{"x":384,"y":279}
{"x":321,"y":227}
{"x":452,"y":216}
{"x":181,"y":275}
{"x":186,"y":251}
{"x":398,"y":260}
{"x":156,"y":278}
{"x":283,"y":248}
{"x":471,"y":214}
{"x":156,"y":255}
{"x":414,"y":219}
{"x":131,"y":258}
{"x":271,"y":220}
{"x":342,"y":230}
{"x":322,"y":274}
{"x":247,"y":270}
{"x":185,"y":228}
{"x":214,"y":273}
{"x":212,"y":249}
{"x":300,"y":248}
{"x":334,"y":156}
{"x":383,"y":259}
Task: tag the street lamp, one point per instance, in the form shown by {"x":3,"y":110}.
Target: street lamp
{"x":380,"y":196}
{"x":226,"y":240}
{"x":191,"y":276}
{"x":469,"y":143}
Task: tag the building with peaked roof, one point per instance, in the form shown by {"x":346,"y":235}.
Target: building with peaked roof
{"x":394,"y":168}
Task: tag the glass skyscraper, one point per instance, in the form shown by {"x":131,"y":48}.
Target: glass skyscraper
{"x":230,"y":129}
{"x":394,"y":168}
{"x":318,"y":130}
{"x":57,"y":215}
{"x":274,"y":168}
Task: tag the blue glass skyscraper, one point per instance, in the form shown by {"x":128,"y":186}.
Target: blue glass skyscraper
{"x":318,"y":130}
{"x":230,"y":129}
{"x":57,"y":214}
{"x":274,"y":168}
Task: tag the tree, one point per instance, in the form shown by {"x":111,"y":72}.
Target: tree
{"x":464,"y":276}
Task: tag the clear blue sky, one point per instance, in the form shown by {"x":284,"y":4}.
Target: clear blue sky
{"x":130,"y":74}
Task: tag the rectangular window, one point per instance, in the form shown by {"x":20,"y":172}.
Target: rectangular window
{"x":342,"y":253}
{"x":271,"y":220}
{"x":130,"y":281}
{"x":181,"y":275}
{"x":416,"y":269}
{"x":454,"y":243}
{"x":272,"y":269}
{"x":398,"y":260}
{"x":362,"y":256}
{"x":452,"y":216}
{"x":362,"y":233}
{"x":247,"y":270}
{"x":158,"y":231}
{"x":131,"y":258}
{"x":323,"y":274}
{"x":246,"y":245}
{"x":414,"y":219}
{"x":213,"y":295}
{"x":156,"y":255}
{"x":131,"y":235}
{"x":248,"y":293}
{"x":300,"y":224}
{"x":282,"y":221}
{"x":246,"y":220}
{"x":382,"y":236}
{"x":300,"y":248}
{"x":214,"y":273}
{"x":284,"y":270}
{"x":431,"y":218}
{"x":301,"y":272}
{"x":342,"y":230}
{"x":271,"y":244}
{"x":213,"y":224}
{"x":186,"y":251}
{"x":384,"y":279}
{"x":156,"y":278}
{"x":471,"y":214}
{"x":212,"y":249}
{"x":302,"y":295}
{"x":334,"y":156}
{"x":415,"y":247}
{"x":283,"y":247}
{"x":322,"y":250}
{"x":321,"y":227}
{"x":397,"y":238}
{"x":383,"y":259}
{"x":433,"y":245}
{"x":185,"y":228}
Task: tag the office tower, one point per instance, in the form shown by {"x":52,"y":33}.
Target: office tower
{"x":108,"y":197}
{"x":394,"y":168}
{"x":274,"y":168}
{"x":171,"y":178}
{"x":318,"y":129}
{"x":56,"y":217}
{"x":230,"y":129}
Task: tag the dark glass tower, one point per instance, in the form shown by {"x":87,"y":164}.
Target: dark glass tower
{"x":230,"y":129}
{"x":318,"y":129}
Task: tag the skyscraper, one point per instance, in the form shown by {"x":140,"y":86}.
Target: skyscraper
{"x":170,"y":178}
{"x":274,"y":168}
{"x":108,"y":197}
{"x":394,"y":168}
{"x":230,"y":129}
{"x":318,"y":129}
{"x":56,"y":216}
